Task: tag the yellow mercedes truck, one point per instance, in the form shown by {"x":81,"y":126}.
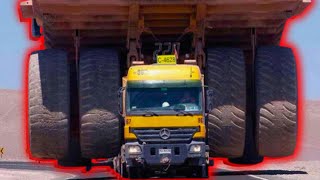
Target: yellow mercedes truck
{"x":164,"y":113}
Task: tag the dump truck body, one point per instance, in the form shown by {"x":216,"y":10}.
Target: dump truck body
{"x":102,"y":23}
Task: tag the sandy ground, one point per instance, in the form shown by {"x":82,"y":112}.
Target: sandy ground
{"x":11,"y":126}
{"x":311,"y":132}
{"x":14,"y":163}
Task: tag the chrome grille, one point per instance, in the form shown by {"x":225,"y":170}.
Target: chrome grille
{"x":177,"y":135}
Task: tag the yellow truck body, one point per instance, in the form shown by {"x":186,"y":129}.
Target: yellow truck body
{"x":163,"y":73}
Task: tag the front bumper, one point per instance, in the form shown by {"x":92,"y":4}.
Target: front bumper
{"x":180,"y":154}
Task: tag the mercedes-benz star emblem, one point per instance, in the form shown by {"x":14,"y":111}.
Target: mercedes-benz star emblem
{"x":164,"y":133}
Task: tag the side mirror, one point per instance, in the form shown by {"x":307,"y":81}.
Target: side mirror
{"x":120,"y":100}
{"x":209,"y":100}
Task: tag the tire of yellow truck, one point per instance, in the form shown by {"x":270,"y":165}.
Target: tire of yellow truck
{"x":226,"y":76}
{"x":276,"y":101}
{"x":99,"y":82}
{"x":197,"y":172}
{"x":48,"y":104}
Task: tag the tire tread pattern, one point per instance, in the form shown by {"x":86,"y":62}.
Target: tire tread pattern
{"x":276,"y":92}
{"x":99,"y":75}
{"x":48,"y":103}
{"x":226,"y":122}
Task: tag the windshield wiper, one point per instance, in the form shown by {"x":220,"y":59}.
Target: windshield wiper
{"x":150,"y":113}
{"x":184,"y":113}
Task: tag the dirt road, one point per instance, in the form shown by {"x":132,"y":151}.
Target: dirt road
{"x":15,"y":165}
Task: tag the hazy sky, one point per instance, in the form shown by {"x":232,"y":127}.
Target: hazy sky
{"x":304,"y":33}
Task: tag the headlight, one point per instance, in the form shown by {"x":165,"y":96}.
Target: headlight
{"x":134,"y":150}
{"x":195,"y":148}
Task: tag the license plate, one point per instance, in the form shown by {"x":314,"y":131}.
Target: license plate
{"x":164,"y":151}
{"x":166,"y":59}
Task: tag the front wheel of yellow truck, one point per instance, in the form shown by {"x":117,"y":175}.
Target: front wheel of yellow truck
{"x":129,"y":172}
{"x":198,"y":171}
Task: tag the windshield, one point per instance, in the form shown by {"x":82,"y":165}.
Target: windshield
{"x":154,"y":101}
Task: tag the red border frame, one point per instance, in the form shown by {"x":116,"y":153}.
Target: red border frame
{"x":284,"y":42}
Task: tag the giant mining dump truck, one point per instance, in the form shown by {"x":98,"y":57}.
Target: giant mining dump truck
{"x":113,"y":76}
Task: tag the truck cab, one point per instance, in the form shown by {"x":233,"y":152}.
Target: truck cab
{"x":163,"y":107}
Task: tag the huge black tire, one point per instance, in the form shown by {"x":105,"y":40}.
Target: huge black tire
{"x":276,"y":96}
{"x":225,"y":75}
{"x":99,"y":82}
{"x":49,"y":111}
